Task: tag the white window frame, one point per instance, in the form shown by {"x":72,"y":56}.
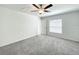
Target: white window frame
{"x":55,"y":26}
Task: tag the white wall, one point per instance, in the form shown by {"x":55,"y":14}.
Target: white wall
{"x":16,"y":26}
{"x":70,"y":25}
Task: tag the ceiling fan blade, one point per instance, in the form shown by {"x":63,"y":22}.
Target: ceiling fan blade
{"x":46,"y":11}
{"x":40,"y":5}
{"x":35,"y":6}
{"x":48,"y":6}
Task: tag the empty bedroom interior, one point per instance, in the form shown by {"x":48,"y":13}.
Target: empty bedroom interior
{"x":39,"y":29}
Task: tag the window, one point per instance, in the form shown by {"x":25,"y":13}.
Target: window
{"x":55,"y":26}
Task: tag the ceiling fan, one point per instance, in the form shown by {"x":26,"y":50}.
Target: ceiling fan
{"x":41,"y":8}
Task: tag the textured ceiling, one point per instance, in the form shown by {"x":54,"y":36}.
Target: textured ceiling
{"x":57,"y":8}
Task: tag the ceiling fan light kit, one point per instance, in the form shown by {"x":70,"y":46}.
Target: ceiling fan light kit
{"x":40,"y":11}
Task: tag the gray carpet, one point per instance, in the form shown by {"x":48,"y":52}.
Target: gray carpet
{"x":41,"y":45}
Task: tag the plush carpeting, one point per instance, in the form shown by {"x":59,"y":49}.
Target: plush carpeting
{"x":41,"y":45}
